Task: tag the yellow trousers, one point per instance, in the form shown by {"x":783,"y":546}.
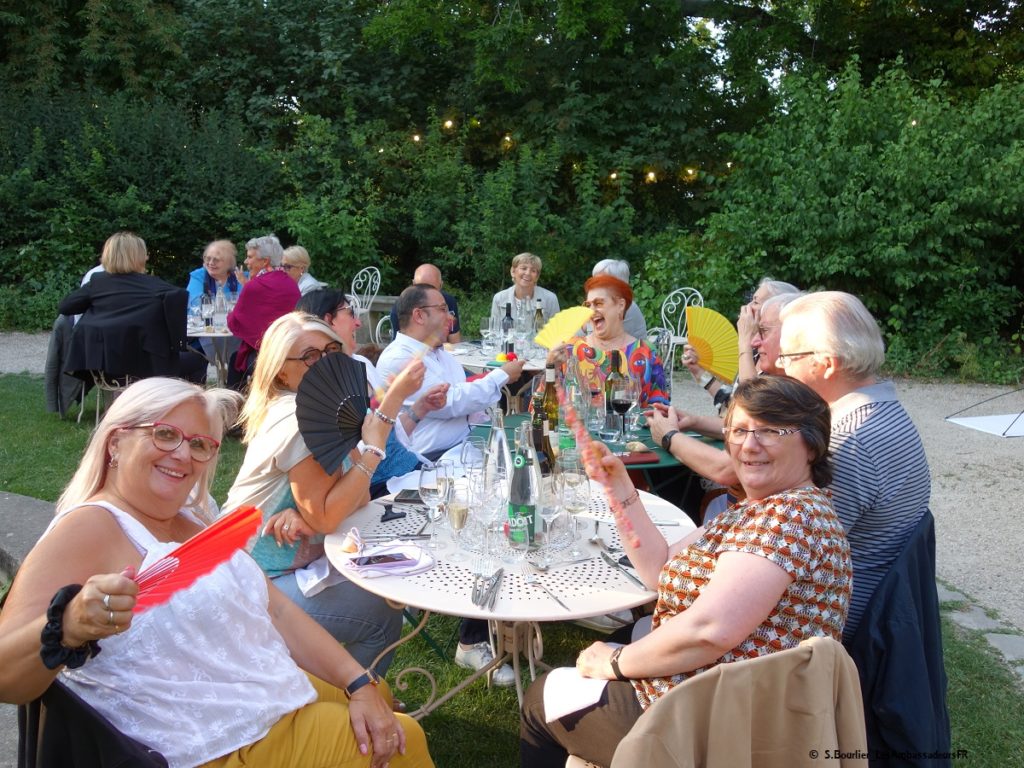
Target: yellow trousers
{"x":319,"y":735}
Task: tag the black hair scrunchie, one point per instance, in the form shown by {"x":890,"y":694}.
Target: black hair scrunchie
{"x":53,"y":651}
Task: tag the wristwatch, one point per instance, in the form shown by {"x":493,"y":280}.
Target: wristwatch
{"x":706,"y":380}
{"x":369,"y":677}
{"x":412,"y":415}
{"x":666,"y":441}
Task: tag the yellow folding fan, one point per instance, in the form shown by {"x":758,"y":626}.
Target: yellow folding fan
{"x":563,"y":326}
{"x":715,"y":340}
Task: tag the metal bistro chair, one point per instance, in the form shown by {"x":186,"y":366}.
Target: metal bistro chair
{"x":365,"y":286}
{"x":384,"y":333}
{"x":673,"y":317}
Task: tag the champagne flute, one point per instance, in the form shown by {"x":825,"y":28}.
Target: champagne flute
{"x":574,"y":492}
{"x":458,"y":514}
{"x":433,"y":486}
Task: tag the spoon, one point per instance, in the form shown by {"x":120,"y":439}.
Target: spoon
{"x":602,"y":544}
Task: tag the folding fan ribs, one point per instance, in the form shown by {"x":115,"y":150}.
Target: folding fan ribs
{"x":198,"y":556}
{"x":715,"y":340}
{"x":561,"y":327}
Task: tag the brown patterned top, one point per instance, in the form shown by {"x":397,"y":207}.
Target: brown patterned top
{"x":797,"y":530}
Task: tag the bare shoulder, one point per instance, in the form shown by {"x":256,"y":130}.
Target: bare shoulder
{"x":86,"y":542}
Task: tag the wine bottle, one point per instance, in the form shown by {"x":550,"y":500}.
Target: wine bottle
{"x":524,"y":493}
{"x":538,"y":317}
{"x":614,"y":381}
{"x":550,"y":401}
{"x":508,"y":329}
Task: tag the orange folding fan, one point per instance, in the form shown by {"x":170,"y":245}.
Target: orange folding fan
{"x":715,"y":340}
{"x":198,"y":556}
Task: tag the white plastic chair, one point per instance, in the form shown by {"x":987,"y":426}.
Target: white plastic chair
{"x":365,"y":286}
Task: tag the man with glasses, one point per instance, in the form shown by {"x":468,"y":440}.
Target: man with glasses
{"x":881,"y":485}
{"x":424,"y":324}
{"x":269,"y":293}
{"x":428,"y":274}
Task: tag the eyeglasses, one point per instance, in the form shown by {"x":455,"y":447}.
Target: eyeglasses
{"x":434,"y":306}
{"x":764,"y":330}
{"x":312,"y":356}
{"x":290,"y":266}
{"x":781,"y":360}
{"x":346,"y":308}
{"x":765,"y":436}
{"x":212,"y":260}
{"x":167,"y":438}
{"x":595,"y":304}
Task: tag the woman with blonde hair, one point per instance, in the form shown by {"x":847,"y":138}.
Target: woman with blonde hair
{"x":300,"y":501}
{"x":295,"y":263}
{"x":132,"y":324}
{"x":227,"y":672}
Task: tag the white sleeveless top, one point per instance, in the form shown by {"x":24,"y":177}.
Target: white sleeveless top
{"x":201,"y":675}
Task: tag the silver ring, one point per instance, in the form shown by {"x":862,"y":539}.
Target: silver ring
{"x":110,"y":617}
{"x":285,"y":527}
{"x":106,"y":602}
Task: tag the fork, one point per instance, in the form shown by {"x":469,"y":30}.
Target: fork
{"x":479,"y":579}
{"x":530,"y":577}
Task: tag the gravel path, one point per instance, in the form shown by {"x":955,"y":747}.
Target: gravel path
{"x":977,"y":479}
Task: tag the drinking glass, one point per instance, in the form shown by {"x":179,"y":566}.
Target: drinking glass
{"x":434,"y":488}
{"x":206,"y":310}
{"x":574,"y":492}
{"x":458,"y":514}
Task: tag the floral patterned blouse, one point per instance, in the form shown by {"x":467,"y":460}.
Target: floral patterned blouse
{"x":797,"y":530}
{"x":638,"y":360}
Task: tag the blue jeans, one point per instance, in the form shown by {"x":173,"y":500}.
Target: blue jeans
{"x":364,"y":623}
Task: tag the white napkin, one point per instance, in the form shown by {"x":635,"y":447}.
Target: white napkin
{"x":567,"y":691}
{"x":316,"y":577}
{"x":419,"y":560}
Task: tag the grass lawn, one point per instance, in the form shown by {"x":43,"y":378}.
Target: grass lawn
{"x":38,"y":453}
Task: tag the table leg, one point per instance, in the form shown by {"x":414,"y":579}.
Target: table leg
{"x":516,"y":640}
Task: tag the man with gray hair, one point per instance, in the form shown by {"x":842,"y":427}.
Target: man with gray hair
{"x":269,"y":293}
{"x":881,"y":485}
{"x":633,"y":323}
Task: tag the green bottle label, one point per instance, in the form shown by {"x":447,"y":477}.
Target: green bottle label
{"x":521,"y":522}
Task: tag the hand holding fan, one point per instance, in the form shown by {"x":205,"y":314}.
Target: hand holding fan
{"x":562,"y":326}
{"x":330,"y":407}
{"x":198,"y":556}
{"x":715,"y":340}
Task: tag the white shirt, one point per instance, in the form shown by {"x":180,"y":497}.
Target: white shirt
{"x":449,"y":425}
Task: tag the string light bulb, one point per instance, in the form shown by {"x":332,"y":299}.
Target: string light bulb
{"x":613,"y":175}
{"x":652,"y":176}
{"x":416,"y":137}
{"x":449,"y":124}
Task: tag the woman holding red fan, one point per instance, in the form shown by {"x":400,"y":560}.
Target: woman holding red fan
{"x":226,"y":672}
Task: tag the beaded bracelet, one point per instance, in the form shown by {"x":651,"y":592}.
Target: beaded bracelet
{"x":364,"y":469}
{"x":383,"y":417}
{"x":634,"y":496}
{"x":53,"y":651}
{"x":379,"y":452}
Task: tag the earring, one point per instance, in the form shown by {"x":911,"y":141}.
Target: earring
{"x":113,"y":462}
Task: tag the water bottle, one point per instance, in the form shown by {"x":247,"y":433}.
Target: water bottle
{"x":524,"y":498}
{"x":499,"y":458}
{"x":220,"y":311}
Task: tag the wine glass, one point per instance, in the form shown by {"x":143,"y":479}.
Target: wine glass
{"x":206,"y":310}
{"x":624,"y":397}
{"x":458,"y":514}
{"x":434,"y":490}
{"x":574,"y":492}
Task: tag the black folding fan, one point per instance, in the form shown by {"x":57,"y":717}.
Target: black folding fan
{"x":330,"y":407}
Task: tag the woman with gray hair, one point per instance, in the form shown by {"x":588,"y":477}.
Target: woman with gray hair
{"x":269,"y":293}
{"x":882,"y":486}
{"x":227,"y":671}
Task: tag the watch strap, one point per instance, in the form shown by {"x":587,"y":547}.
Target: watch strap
{"x":369,"y":677}
{"x":666,"y":441}
{"x":614,"y":660}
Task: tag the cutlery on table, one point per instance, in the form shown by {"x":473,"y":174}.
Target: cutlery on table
{"x":531,"y":579}
{"x":491,"y":596}
{"x":615,"y":564}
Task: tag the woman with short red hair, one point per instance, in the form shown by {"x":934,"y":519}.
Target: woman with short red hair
{"x":610,"y":297}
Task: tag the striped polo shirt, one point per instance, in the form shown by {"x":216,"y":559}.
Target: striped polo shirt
{"x":881,"y":485}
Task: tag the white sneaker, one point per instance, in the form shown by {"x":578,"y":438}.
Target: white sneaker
{"x":479,"y":656}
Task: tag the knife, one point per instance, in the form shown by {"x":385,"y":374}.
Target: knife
{"x":615,"y":564}
{"x":492,"y":593}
